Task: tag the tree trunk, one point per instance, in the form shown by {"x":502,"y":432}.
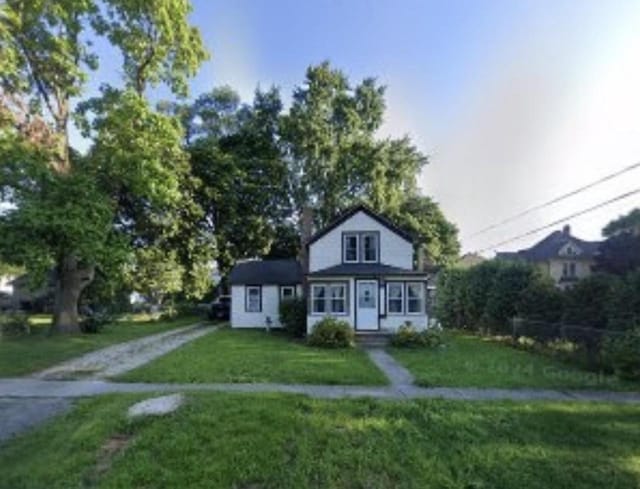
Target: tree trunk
{"x":70,"y":282}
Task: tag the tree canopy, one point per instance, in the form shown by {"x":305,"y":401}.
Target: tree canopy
{"x":75,"y":213}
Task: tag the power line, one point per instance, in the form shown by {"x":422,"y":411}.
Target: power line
{"x":559,"y":221}
{"x":556,"y":199}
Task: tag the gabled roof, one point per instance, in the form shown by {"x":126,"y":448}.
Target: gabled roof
{"x":266,"y":272}
{"x":353,"y":211}
{"x":364,"y":269}
{"x":550,"y":247}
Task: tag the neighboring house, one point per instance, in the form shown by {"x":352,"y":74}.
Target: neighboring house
{"x":6,"y":287}
{"x":38,"y":300}
{"x":565,"y":258}
{"x":360,"y":269}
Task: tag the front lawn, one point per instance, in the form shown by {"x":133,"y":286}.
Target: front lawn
{"x":257,"y":356}
{"x":37,"y":351}
{"x":283,"y":441}
{"x":472,"y":361}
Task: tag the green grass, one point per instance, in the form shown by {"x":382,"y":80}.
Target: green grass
{"x":257,"y":356}
{"x":472,"y":361}
{"x":285,"y":441}
{"x":37,"y":351}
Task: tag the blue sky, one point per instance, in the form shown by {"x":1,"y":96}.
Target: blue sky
{"x":514,"y":101}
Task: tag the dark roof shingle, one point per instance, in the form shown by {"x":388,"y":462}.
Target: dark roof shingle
{"x":266,"y":272}
{"x":363,"y":269}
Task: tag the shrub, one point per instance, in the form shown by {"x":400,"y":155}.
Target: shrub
{"x":407,"y":336}
{"x":622,"y":353}
{"x":95,"y":323}
{"x":330,"y":332}
{"x":293,"y":316}
{"x":14,"y":324}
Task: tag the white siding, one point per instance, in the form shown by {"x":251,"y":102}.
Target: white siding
{"x":388,"y":323}
{"x":327,"y":251}
{"x":270,"y":302}
{"x":350,"y":317}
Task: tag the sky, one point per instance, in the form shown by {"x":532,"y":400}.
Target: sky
{"x":515,"y":102}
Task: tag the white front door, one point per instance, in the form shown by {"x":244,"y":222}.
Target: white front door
{"x":367,"y":305}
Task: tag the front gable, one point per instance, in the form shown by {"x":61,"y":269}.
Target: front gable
{"x":570,"y":249}
{"x":357,"y":230}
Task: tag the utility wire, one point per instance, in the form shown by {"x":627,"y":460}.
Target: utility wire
{"x":559,"y":221}
{"x":556,"y":200}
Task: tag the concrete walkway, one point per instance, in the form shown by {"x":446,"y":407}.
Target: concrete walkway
{"x":122,"y":357}
{"x":18,"y":415}
{"x":396,"y":373}
{"x":69,"y":389}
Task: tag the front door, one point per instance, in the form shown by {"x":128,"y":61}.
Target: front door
{"x":367,"y":305}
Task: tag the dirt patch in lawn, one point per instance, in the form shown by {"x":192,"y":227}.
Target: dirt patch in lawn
{"x":115,"y":445}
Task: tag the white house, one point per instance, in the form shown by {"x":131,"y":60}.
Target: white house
{"x":258,"y":286}
{"x":360,"y":269}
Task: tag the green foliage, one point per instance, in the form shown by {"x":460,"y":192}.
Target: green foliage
{"x":628,"y":222}
{"x":293,"y":316}
{"x":436,"y":237}
{"x":14,"y":324}
{"x":336,"y":159}
{"x":541,"y":300}
{"x":509,"y":285}
{"x":407,"y":336}
{"x":488,"y":295}
{"x":155,"y":274}
{"x":587,"y":303}
{"x":331,"y":332}
{"x":235,"y":154}
{"x":623,"y":354}
{"x":95,"y":323}
{"x":79,"y":214}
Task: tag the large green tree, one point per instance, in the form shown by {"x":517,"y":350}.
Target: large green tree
{"x":336,"y":160}
{"x":235,"y":154}
{"x":75,"y":213}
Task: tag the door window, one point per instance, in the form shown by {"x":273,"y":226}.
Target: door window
{"x":367,"y":296}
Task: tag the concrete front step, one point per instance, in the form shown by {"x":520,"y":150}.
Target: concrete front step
{"x":372,"y":339}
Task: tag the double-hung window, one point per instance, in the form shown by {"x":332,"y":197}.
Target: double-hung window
{"x":369,"y":247}
{"x":287,"y":292}
{"x":253,"y":298}
{"x":395,"y":297}
{"x":318,"y":299}
{"x":415,"y":298}
{"x":350,"y":248}
{"x":338,"y":298}
{"x":330,"y":298}
{"x":360,"y":247}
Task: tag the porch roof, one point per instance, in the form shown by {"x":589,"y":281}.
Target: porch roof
{"x":365,"y":269}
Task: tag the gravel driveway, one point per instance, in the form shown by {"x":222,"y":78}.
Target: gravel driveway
{"x":118,"y":359}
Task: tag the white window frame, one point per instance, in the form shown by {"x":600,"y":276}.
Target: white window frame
{"x":329,"y":298}
{"x":376,"y":240}
{"x":343,"y":298}
{"x":314,"y":300}
{"x":292,"y":288}
{"x":389,"y":299}
{"x":247,"y":302}
{"x":421,"y":297}
{"x":345,"y":236}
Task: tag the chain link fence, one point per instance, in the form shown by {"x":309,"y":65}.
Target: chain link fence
{"x":579,"y":344}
